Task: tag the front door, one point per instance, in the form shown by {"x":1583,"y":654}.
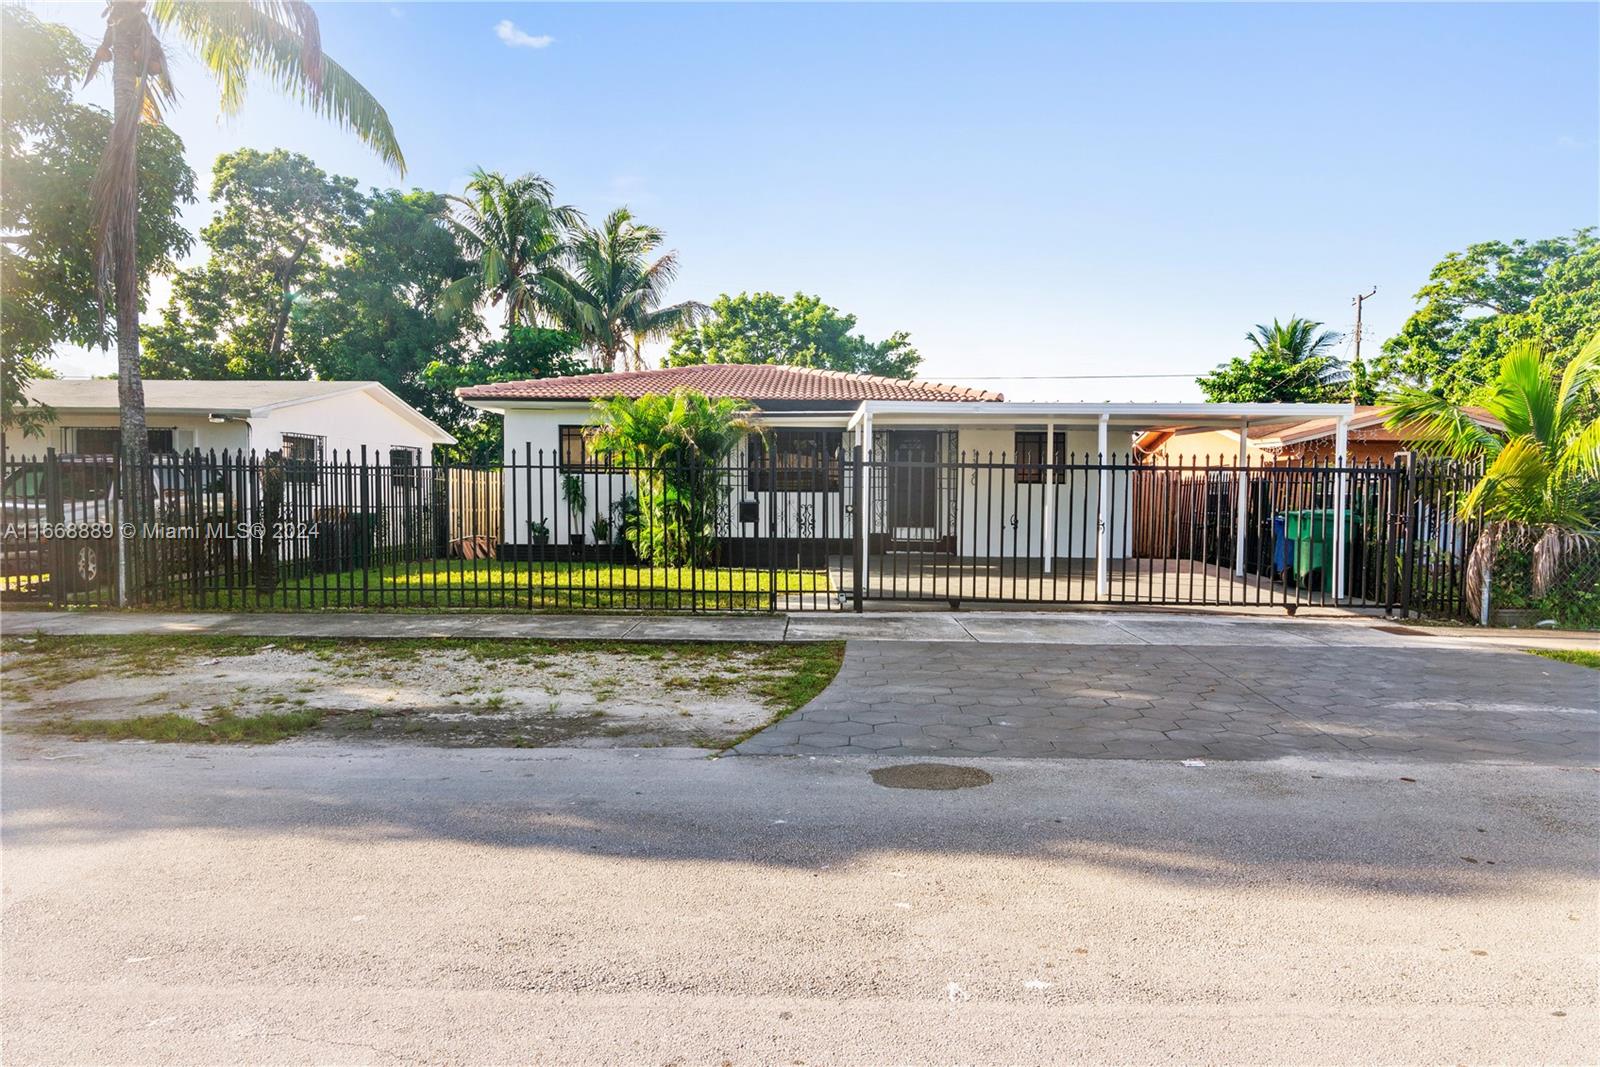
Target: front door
{"x":913,"y":487}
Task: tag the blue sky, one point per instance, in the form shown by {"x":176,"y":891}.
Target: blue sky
{"x":1029,"y":190}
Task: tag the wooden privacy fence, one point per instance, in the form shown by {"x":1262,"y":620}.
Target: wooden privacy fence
{"x":476,"y":511}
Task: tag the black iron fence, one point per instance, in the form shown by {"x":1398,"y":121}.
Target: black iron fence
{"x":1117,"y":530}
{"x":206,"y":531}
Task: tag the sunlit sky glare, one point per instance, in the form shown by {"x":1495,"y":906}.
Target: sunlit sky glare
{"x":1031,"y":190}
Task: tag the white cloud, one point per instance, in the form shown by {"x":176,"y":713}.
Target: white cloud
{"x":507,"y":31}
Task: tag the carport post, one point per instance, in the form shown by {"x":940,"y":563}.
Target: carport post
{"x":864,"y":508}
{"x":1048,"y":481}
{"x":1341,"y":495}
{"x":1239,"y":488}
{"x":1102,"y":545}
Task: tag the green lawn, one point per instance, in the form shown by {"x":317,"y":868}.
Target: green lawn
{"x":495,"y":584}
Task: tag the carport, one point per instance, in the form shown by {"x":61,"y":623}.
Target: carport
{"x":1046,"y":497}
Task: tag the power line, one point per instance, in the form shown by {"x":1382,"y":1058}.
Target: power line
{"x":1054,"y":377}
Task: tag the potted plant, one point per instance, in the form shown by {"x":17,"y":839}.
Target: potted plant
{"x":601,"y":528}
{"x":577,"y":499}
{"x":539,"y":532}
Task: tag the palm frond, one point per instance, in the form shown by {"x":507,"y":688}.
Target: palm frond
{"x":1551,"y":553}
{"x":1524,"y":396}
{"x":1513,"y":484}
{"x":1439,"y":427}
{"x":1580,"y":376}
{"x":280,"y":40}
{"x":1580,"y":455}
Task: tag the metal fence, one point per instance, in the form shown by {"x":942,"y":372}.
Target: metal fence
{"x":1115,"y":530}
{"x":829,"y":532}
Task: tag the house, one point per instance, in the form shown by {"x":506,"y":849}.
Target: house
{"x":1310,"y":441}
{"x":950,"y":472}
{"x":308,"y":421}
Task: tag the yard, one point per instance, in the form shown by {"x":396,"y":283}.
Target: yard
{"x":513,"y":693}
{"x":458,"y":583}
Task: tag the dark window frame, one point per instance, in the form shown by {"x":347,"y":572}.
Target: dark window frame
{"x":808,"y":460}
{"x":407,"y":475}
{"x":1029,"y":457}
{"x":298,"y":468}
{"x":155,"y":436}
{"x":568,"y":436}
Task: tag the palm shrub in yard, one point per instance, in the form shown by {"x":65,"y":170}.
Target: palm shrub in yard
{"x":1539,"y":497}
{"x":675,"y":446}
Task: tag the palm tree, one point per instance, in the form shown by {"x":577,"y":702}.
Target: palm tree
{"x":1303,"y":346}
{"x":611,"y":295}
{"x":514,"y":233}
{"x":674,"y":445}
{"x":276,"y":38}
{"x":1541,"y":476}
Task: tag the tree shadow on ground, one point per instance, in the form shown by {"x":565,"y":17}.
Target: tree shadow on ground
{"x":1380,"y":828}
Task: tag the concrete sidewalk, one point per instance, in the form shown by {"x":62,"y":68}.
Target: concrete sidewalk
{"x":983,"y":627}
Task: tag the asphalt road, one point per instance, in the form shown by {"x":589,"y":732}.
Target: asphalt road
{"x":322,"y":903}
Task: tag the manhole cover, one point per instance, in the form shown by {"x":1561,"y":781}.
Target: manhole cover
{"x":931,"y":776}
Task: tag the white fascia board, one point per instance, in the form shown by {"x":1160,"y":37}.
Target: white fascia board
{"x":379,"y":392}
{"x":1006,"y":411}
{"x":499,"y":405}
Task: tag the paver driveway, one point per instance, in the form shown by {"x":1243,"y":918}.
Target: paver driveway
{"x":1218,"y":702}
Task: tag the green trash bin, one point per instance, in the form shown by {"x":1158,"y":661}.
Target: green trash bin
{"x":1310,"y":531}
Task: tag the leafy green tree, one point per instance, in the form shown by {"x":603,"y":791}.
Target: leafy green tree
{"x":611,"y":294}
{"x":1541,"y":473}
{"x":272,"y":37}
{"x":50,"y":147}
{"x":525,"y":352}
{"x":1474,"y":310}
{"x":675,"y":444}
{"x":1289,"y":362}
{"x":1566,"y":311}
{"x":799,"y":332}
{"x":513,"y":233}
{"x":281,"y":219}
{"x":378,"y":310}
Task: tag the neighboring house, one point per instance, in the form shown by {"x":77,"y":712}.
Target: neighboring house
{"x":1310,"y":441}
{"x":308,"y":421}
{"x":955,"y":471}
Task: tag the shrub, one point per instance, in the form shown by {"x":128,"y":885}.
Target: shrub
{"x":674,"y":446}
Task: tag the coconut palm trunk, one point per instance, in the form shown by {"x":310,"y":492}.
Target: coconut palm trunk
{"x":127,"y":66}
{"x":277,"y":38}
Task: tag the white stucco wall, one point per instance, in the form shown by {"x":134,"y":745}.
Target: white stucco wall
{"x":985,"y":509}
{"x":345,"y":423}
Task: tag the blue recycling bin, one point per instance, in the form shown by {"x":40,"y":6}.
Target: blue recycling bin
{"x":1280,"y":545}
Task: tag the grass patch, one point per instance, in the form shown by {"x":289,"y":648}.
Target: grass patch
{"x":510,"y":584}
{"x":222,"y":728}
{"x":1570,"y":655}
{"x":782,"y":678}
{"x":792,"y":676}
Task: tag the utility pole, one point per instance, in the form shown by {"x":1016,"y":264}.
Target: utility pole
{"x":1357,"y":370}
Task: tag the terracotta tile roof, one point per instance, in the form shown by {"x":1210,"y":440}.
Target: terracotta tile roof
{"x":747,"y":381}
